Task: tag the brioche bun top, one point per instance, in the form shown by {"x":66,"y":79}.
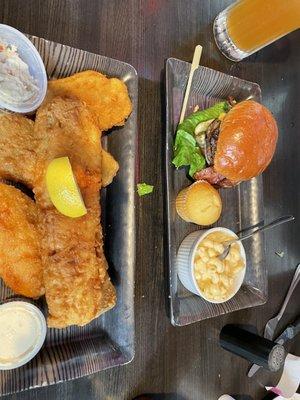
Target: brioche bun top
{"x":247,"y":141}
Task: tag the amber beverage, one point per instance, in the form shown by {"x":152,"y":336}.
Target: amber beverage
{"x":248,"y":25}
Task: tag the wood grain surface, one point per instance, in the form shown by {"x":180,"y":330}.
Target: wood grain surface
{"x":186,"y":361}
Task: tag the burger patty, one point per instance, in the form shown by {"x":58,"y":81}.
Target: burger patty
{"x":211,"y":139}
{"x":214,"y":178}
{"x":209,"y":174}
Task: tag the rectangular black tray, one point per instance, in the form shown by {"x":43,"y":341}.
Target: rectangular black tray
{"x":242,"y":205}
{"x":109,"y":340}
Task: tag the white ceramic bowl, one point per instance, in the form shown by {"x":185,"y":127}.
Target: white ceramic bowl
{"x":185,"y":263}
{"x":29,"y":54}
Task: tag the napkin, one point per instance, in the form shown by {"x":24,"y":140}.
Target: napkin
{"x":290,"y":379}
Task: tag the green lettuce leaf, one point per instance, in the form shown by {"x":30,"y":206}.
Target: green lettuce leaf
{"x":143,"y":189}
{"x":186,"y":150}
{"x":189,"y":123}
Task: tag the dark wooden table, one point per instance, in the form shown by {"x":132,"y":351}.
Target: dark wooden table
{"x":186,"y":361}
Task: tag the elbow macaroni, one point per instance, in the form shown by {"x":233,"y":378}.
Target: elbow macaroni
{"x":215,"y":277}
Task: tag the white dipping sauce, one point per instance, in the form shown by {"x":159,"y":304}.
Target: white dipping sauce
{"x":16,"y":83}
{"x":22,"y":333}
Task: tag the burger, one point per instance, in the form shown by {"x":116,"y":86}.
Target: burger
{"x":227,"y":143}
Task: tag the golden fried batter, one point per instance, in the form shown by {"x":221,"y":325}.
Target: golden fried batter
{"x":17,"y":148}
{"x":110,"y":167}
{"x":20,"y":253}
{"x":106,"y":97}
{"x":77,"y":285}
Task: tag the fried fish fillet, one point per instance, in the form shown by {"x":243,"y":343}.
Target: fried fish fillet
{"x":17,"y":148}
{"x":110,"y":167}
{"x":106,"y":97}
{"x":20,"y":251}
{"x":78,"y":288}
{"x":18,"y":152}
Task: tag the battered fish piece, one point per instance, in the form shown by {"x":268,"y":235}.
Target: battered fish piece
{"x":78,"y":288}
{"x":110,"y":167}
{"x":106,"y":97}
{"x":18,"y":151}
{"x":17,"y":148}
{"x":20,"y":252}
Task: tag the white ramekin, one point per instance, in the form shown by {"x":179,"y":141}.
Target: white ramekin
{"x":29,"y":54}
{"x":185,"y":262}
{"x":24,"y":334}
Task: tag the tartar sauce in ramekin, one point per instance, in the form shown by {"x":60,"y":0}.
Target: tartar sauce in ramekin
{"x":16,"y":83}
{"x":22,"y":333}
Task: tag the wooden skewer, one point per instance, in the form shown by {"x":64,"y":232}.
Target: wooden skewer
{"x":195,"y":65}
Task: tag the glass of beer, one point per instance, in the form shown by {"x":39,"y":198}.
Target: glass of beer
{"x":249,"y":25}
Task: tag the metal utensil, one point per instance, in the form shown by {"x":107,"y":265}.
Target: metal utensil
{"x":289,"y":333}
{"x":272,"y":224}
{"x":273,"y":322}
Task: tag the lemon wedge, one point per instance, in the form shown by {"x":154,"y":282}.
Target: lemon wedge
{"x":63,"y":189}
